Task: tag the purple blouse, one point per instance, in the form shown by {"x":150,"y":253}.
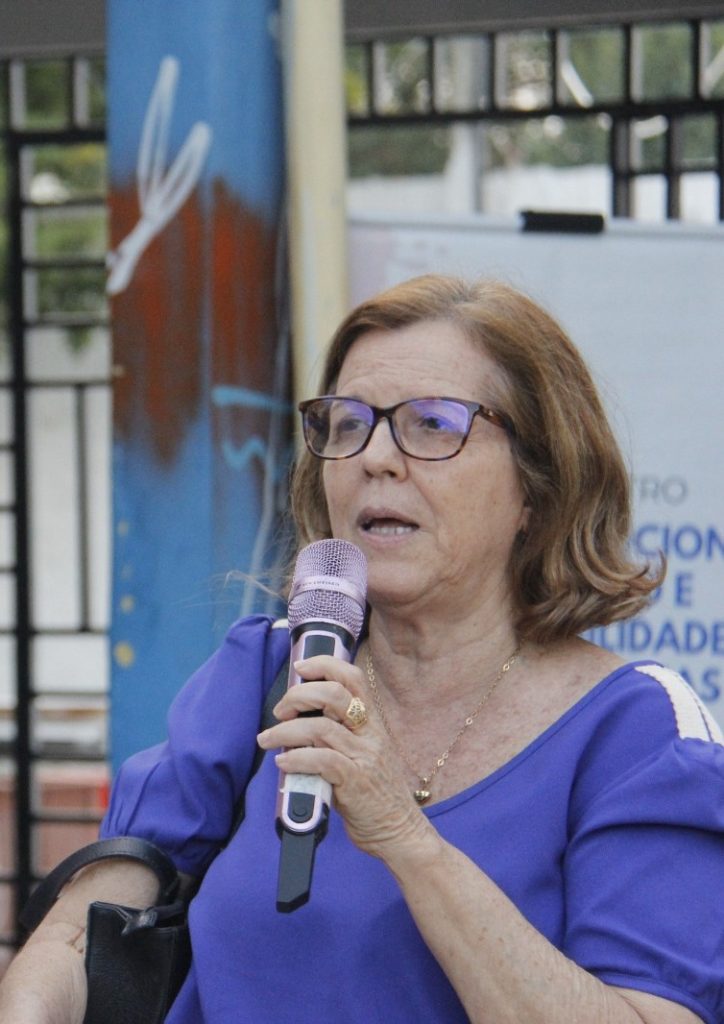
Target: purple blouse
{"x":607,"y":832}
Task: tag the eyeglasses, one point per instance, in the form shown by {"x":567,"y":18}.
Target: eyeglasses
{"x":432,"y":429}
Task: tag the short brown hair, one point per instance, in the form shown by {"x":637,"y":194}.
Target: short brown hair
{"x":571,"y":570}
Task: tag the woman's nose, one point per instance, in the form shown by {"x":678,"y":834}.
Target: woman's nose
{"x":382,"y":453}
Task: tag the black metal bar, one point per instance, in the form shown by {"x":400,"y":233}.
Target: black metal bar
{"x":621,"y":167}
{"x":554,"y":50}
{"x":636,"y":111}
{"x":430,"y":71}
{"x":70,"y":818}
{"x":74,"y":756}
{"x":21,"y":746}
{"x":672,"y":169}
{"x":82,"y":518}
{"x":72,"y":121}
{"x":50,"y":630}
{"x":492,"y":73}
{"x":90,"y":382}
{"x":371,"y":78}
{"x":61,"y":136}
{"x":697,"y":64}
{"x":629,"y":64}
{"x":65,"y":263}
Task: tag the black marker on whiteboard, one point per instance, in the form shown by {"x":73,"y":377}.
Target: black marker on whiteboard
{"x":564,"y":223}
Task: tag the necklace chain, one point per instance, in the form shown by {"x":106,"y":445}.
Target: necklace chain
{"x":422,"y":795}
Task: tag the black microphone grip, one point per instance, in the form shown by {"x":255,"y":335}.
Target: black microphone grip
{"x":303,"y":801}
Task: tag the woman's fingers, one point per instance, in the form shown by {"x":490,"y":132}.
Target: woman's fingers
{"x":317,"y":731}
{"x":330,"y":686}
{"x":331,"y":698}
{"x":330,"y":764}
{"x":324,"y":666}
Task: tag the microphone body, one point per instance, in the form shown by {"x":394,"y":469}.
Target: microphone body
{"x":326,"y":611}
{"x":303,"y":803}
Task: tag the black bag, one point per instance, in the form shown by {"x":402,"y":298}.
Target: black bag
{"x":136,"y":960}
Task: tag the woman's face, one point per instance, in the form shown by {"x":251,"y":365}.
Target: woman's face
{"x":432,"y":531}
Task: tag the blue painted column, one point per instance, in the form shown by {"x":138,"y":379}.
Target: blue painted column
{"x":197,"y":285}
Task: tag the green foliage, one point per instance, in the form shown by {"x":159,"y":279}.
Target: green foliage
{"x":68,"y":232}
{"x":50,"y":95}
{"x":80,"y":170}
{"x":47,"y":94}
{"x":551,"y":141}
{"x":397,"y":150}
{"x":403,"y":88}
{"x":666,"y":68}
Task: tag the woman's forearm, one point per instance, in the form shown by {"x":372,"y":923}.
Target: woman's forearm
{"x":46,"y":982}
{"x":502,"y":968}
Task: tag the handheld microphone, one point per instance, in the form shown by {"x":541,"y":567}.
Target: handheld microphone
{"x":327,"y":605}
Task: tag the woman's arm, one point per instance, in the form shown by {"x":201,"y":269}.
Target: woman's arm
{"x":45,"y":983}
{"x":501,"y":967}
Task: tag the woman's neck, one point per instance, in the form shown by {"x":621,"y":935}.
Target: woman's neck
{"x":417,"y":658}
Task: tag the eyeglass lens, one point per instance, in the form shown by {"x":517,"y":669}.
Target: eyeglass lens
{"x":427,"y":428}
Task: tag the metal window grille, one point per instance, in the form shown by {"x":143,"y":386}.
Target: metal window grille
{"x":647,"y":97}
{"x":54,"y":473}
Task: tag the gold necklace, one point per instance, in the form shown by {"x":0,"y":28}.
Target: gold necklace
{"x":422,"y":795}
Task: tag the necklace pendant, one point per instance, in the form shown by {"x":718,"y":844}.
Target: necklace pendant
{"x":422,"y":795}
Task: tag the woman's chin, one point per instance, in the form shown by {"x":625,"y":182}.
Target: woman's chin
{"x":396,"y":590}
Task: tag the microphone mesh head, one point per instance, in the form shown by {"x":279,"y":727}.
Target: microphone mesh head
{"x":325,"y":601}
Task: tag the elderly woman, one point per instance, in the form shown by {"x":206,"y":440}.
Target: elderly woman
{"x":525,"y":827}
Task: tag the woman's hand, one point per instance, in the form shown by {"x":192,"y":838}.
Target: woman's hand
{"x":368,"y":781}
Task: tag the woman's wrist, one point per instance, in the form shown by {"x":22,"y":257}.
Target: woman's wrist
{"x":412,"y":852}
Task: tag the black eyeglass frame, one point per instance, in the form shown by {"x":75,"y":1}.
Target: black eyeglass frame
{"x":473,"y":409}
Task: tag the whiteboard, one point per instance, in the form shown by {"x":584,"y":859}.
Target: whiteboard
{"x":645,"y":305}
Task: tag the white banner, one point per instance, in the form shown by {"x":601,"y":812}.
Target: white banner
{"x":645,"y":305}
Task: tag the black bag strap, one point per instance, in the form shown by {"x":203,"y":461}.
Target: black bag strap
{"x":125,"y":846}
{"x":275,"y":694}
{"x":141,"y":850}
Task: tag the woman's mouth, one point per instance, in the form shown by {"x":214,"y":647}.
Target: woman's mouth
{"x":384,"y":526}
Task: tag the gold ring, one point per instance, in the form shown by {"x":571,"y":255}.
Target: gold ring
{"x":356,"y":713}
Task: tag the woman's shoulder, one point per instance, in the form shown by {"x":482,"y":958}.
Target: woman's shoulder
{"x":648,"y":698}
{"x":654,"y":695}
{"x":646,"y":728}
{"x":612,"y":715}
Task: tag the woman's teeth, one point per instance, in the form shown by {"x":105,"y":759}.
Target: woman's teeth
{"x":388,"y":529}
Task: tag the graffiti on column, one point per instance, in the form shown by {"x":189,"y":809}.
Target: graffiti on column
{"x":162,"y":190}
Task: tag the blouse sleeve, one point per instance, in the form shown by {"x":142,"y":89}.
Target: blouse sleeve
{"x":181,"y":794}
{"x":644,"y":870}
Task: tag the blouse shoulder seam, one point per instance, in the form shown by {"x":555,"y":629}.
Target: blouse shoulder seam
{"x":693,"y":720}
